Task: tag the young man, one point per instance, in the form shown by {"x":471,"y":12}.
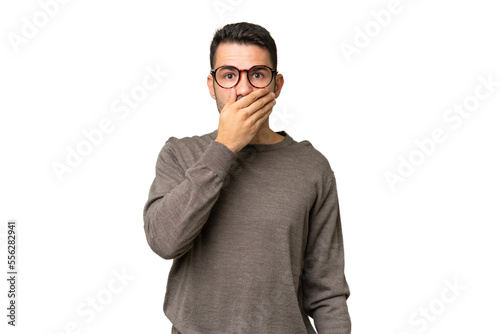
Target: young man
{"x":249,"y":216}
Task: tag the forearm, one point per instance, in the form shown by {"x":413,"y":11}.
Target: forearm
{"x":175,"y":215}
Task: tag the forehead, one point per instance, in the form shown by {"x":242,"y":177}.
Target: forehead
{"x":241,"y":55}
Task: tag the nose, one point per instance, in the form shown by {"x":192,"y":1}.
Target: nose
{"x":243,"y":88}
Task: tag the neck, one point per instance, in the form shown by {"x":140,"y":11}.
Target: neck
{"x":265,"y":135}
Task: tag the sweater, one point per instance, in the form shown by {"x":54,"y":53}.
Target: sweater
{"x":255,"y":238}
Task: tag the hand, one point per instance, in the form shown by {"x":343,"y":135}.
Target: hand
{"x":240,"y":120}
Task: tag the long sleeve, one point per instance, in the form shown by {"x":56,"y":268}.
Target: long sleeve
{"x":325,"y":289}
{"x":181,"y":198}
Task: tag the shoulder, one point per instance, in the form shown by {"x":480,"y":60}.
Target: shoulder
{"x":317,"y":163}
{"x":189,"y":143}
{"x":186,"y":149}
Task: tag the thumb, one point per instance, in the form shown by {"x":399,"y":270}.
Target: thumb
{"x":232,"y":97}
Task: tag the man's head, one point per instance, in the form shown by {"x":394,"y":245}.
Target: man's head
{"x":242,"y":45}
{"x":247,"y":34}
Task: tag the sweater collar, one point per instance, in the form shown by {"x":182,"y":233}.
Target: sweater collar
{"x":265,"y":147}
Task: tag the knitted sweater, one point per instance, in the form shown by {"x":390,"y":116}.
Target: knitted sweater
{"x":255,"y":238}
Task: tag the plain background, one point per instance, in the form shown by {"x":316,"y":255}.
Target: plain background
{"x":402,"y":246}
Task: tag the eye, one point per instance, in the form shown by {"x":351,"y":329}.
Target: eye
{"x":260,"y":73}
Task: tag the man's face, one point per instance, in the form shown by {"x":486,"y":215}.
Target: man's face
{"x":242,"y":57}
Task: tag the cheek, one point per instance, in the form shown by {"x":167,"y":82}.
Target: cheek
{"x":220,"y":98}
{"x":221,"y":95}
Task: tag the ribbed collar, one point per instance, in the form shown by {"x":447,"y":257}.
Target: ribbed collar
{"x":265,"y":147}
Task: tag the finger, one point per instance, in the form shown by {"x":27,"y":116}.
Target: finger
{"x":232,"y":98}
{"x":251,"y":98}
{"x":262,"y":112}
{"x":260,"y":103}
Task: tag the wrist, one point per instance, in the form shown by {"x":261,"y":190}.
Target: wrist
{"x":231,"y":147}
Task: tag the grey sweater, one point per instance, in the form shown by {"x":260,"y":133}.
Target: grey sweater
{"x":255,"y":238}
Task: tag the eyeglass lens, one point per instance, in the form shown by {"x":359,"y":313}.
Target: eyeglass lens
{"x":259,"y":76}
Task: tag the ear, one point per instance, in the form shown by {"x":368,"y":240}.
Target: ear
{"x":279,"y":84}
{"x":210,"y":84}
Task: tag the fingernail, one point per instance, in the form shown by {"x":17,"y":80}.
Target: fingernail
{"x":273,"y":95}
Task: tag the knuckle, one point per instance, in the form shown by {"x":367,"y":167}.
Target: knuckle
{"x":244,"y":113}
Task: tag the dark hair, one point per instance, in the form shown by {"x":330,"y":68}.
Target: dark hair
{"x":244,"y":33}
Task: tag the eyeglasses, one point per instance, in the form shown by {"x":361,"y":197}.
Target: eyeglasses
{"x":259,"y":76}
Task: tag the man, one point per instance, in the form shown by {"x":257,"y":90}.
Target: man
{"x":249,"y":216}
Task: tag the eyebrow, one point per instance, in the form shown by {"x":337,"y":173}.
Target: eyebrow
{"x":257,"y":65}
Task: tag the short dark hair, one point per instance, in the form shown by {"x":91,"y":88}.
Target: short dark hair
{"x":247,"y":34}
